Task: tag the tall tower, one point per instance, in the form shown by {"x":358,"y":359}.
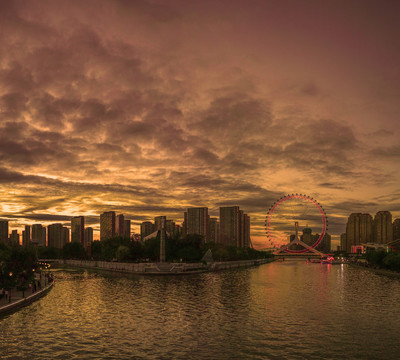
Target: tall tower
{"x":358,"y":230}
{"x":55,"y":236}
{"x":88,"y":236}
{"x":396,"y":229}
{"x":383,"y":227}
{"x":39,"y":235}
{"x":213,"y":226}
{"x":107,"y":225}
{"x":26,"y":235}
{"x":158,"y":222}
{"x":146,"y":228}
{"x":3,"y":231}
{"x":229,"y":225}
{"x":197,"y":221}
{"x":120,"y":225}
{"x":78,"y":229}
{"x":127,"y":228}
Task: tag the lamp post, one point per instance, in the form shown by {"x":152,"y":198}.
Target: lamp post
{"x":9,"y":293}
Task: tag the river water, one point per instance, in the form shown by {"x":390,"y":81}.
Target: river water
{"x":281,"y":310}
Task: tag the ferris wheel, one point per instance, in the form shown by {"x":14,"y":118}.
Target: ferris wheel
{"x":291,"y":213}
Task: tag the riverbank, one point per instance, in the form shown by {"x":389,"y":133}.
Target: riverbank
{"x":19,"y":302}
{"x":162,"y":268}
{"x":376,"y":270}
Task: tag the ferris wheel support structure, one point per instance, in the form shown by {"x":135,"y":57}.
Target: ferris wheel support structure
{"x":297,"y":241}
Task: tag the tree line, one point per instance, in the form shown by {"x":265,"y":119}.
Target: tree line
{"x":188,"y":249}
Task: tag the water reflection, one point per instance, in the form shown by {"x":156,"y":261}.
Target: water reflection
{"x":287,"y":310}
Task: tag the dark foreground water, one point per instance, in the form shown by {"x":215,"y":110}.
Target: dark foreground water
{"x":289,"y":310}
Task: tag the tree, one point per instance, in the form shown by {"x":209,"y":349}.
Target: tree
{"x":73,"y":250}
{"x":122,"y":253}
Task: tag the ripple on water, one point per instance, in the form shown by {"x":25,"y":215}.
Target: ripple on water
{"x":285,"y":310}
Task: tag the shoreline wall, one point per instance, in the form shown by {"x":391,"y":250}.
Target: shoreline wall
{"x":162,"y":268}
{"x":16,"y":305}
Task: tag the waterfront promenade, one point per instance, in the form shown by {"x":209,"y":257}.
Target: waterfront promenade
{"x":21,"y":298}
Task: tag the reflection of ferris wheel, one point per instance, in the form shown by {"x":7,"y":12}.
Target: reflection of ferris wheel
{"x":291,"y":213}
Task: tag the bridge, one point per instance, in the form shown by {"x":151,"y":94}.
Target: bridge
{"x":283,"y":251}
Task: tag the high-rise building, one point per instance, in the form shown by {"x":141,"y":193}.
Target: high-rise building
{"x":158,"y":222}
{"x":107,"y":225}
{"x":26,"y":235}
{"x":358,"y":230}
{"x":170,"y":227}
{"x":229,"y":225}
{"x":197,"y":221}
{"x":127,"y":228}
{"x":396,"y":229}
{"x":325,"y":244}
{"x":88,"y":237}
{"x":146,"y":228}
{"x":38,"y":235}
{"x":14,"y":237}
{"x":343,"y":242}
{"x":184,"y":224}
{"x":65,"y":237}
{"x":307,"y":237}
{"x":383,"y":227}
{"x":78,"y":229}
{"x":55,"y":236}
{"x":213,"y":230}
{"x":244,"y":230}
{"x":234,"y":227}
{"x":246,"y":225}
{"x":120,"y":225}
{"x":4,"y":231}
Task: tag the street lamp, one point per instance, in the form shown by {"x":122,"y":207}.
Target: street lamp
{"x":9,"y":293}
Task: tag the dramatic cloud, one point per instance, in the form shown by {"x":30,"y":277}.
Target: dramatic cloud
{"x":148,"y":107}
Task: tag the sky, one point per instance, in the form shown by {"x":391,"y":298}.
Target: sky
{"x":149,"y":107}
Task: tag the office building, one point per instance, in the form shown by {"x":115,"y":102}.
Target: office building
{"x":197,"y":221}
{"x":107,"y":225}
{"x":4,"y":231}
{"x":120,"y":225}
{"x":383,"y":227}
{"x":78,"y":229}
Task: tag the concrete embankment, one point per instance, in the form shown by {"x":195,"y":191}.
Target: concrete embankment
{"x":376,"y":270}
{"x":162,"y":268}
{"x":17,"y":304}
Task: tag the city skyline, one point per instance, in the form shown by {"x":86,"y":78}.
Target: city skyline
{"x":147,"y":108}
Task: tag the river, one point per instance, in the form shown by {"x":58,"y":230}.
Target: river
{"x":281,"y":310}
